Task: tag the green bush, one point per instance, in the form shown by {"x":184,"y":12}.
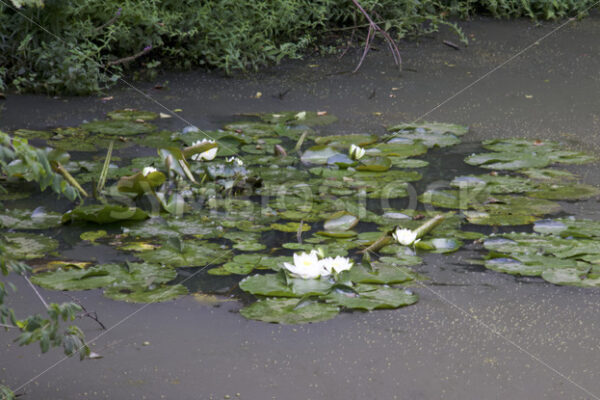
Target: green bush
{"x":79,"y":46}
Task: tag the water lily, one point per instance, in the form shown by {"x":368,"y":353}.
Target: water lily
{"x":301,"y":115}
{"x":337,"y":264}
{"x":235,"y":160}
{"x":356,"y":152}
{"x":207,"y":155}
{"x":404,"y":236}
{"x":306,"y":266}
{"x":148,"y":170}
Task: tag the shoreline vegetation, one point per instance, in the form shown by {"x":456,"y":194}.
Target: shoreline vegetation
{"x":56,"y":47}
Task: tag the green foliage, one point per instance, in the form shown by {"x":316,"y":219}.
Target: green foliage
{"x":87,"y":45}
{"x":48,"y":330}
{"x":20,"y":160}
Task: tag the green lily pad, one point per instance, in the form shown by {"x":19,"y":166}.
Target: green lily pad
{"x":548,"y":174}
{"x":400,"y":150}
{"x":318,"y":154}
{"x":508,"y":160}
{"x":290,"y":227}
{"x":376,"y":164}
{"x":280,"y":286}
{"x":105,"y":213}
{"x":145,"y":295}
{"x":118,"y":127}
{"x":249,"y":245}
{"x":191,"y":254}
{"x":132,"y":115}
{"x":371,"y":297}
{"x":27,"y":246}
{"x":79,"y":279}
{"x":308,"y":118}
{"x":575,"y":191}
{"x":29,"y":219}
{"x":345,"y":141}
{"x":571,"y":277}
{"x":92,"y":236}
{"x":500,"y":184}
{"x":289,"y":311}
{"x":408,"y":162}
{"x":436,"y":127}
{"x":431,"y":139}
{"x":565,"y":227}
{"x":381,"y":273}
{"x":340,"y":221}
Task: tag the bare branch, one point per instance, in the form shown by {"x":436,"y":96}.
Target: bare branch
{"x":373,"y":29}
{"x":36,"y":291}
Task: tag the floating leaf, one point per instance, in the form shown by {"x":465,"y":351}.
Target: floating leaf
{"x":145,"y":295}
{"x":340,"y":221}
{"x":376,"y":164}
{"x":380,"y":273}
{"x":318,"y":154}
{"x":508,"y":160}
{"x":191,"y":254}
{"x":277,"y":285}
{"x":118,"y":127}
{"x":371,"y":297}
{"x":575,"y":191}
{"x":27,"y":246}
{"x":289,"y":311}
{"x":424,"y":127}
{"x":132,"y":115}
{"x":29,"y":219}
{"x":105,"y":213}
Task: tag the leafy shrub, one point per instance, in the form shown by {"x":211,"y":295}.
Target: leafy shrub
{"x":83,"y":46}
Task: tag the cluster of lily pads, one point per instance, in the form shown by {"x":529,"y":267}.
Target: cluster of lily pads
{"x":283,"y":209}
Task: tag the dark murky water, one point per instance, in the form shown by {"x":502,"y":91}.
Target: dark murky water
{"x":474,"y":334}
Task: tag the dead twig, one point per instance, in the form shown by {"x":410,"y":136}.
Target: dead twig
{"x":130,"y":58}
{"x":373,"y":29}
{"x":90,"y":314}
{"x":451,"y":44}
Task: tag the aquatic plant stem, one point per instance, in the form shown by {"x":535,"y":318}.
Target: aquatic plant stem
{"x":57,"y":167}
{"x":428,"y":226}
{"x":104,"y":172}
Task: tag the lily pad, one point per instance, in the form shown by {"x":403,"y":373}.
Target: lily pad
{"x":105,"y":213}
{"x":145,"y":295}
{"x":27,"y":246}
{"x":381,"y":273}
{"x":436,"y":127}
{"x":289,"y":311}
{"x":371,"y":297}
{"x":508,"y":160}
{"x":569,"y":227}
{"x":340,"y":221}
{"x":191,"y":254}
{"x":118,"y":127}
{"x":29,"y":219}
{"x":576,"y":191}
{"x":376,"y":164}
{"x":318,"y":154}
{"x":281,"y":286}
{"x":132,"y":115}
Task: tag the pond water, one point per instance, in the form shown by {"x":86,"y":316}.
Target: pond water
{"x":195,"y":348}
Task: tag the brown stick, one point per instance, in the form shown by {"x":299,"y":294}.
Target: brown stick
{"x":130,"y":58}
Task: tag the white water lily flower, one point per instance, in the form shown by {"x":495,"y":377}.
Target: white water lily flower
{"x":405,"y":237}
{"x":337,"y":264}
{"x":356,"y":152}
{"x":235,"y":160}
{"x":301,"y":115}
{"x":306,"y":266}
{"x":148,"y":170}
{"x":207,"y":155}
